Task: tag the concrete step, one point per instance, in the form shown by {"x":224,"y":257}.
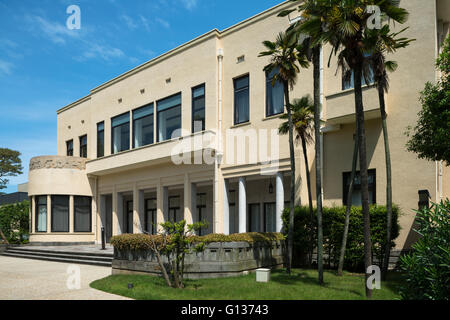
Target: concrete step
{"x":60,"y":254}
{"x":57,"y":259}
{"x":74,"y":253}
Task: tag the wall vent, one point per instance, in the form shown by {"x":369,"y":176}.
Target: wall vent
{"x":240,"y":59}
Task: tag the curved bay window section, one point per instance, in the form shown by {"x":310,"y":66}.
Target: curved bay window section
{"x":60,"y":213}
{"x":143,"y":125}
{"x":82,"y":214}
{"x":169,"y":117}
{"x":120,"y":137}
{"x":41,"y":213}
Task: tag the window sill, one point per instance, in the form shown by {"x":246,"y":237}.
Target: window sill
{"x":347,"y":91}
{"x":241,"y":125}
{"x":275,"y":116}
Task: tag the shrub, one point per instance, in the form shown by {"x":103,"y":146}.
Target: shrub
{"x":143,"y":241}
{"x":333,"y":229}
{"x":14,"y":222}
{"x":427,"y":267}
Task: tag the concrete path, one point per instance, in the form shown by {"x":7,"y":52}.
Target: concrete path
{"x":24,"y":279}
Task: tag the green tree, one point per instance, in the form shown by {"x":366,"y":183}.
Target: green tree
{"x":285,"y":56}
{"x":303,"y":117}
{"x":10,"y":165}
{"x":429,"y":138}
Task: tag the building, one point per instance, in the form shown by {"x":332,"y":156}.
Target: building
{"x":118,"y":163}
{"x":15,"y":197}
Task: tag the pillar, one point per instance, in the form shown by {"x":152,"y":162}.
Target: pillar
{"x":71,"y":215}
{"x":226,"y":208}
{"x":242,"y":206}
{"x":279,"y":201}
{"x":162,"y":204}
{"x":189,"y":193}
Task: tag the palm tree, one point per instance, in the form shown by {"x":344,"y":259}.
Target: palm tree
{"x":302,"y":118}
{"x":311,"y":25}
{"x":348,"y":21}
{"x":381,"y":43}
{"x":284,"y":55}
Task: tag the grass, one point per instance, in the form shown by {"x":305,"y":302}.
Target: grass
{"x":301,"y":285}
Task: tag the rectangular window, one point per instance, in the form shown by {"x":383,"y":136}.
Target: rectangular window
{"x":82,"y":214}
{"x":41,"y":213}
{"x":83,"y":146}
{"x":356,"y":195}
{"x":198,"y":108}
{"x":270,"y":217}
{"x":201,"y":213}
{"x":351,"y":83}
{"x":241,"y":100}
{"x":60,"y":213}
{"x":143,"y":126}
{"x":174,"y":208}
{"x":274,"y":94}
{"x":128,"y":217}
{"x":100,"y":139}
{"x":254,"y":223}
{"x":150,"y":216}
{"x":169,"y":117}
{"x":120,"y":137}
{"x":69,"y":146}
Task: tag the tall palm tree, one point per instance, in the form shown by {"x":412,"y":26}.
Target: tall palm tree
{"x":302,"y":118}
{"x":285,"y":57}
{"x":348,"y":21}
{"x":382,"y":42}
{"x":311,"y":26}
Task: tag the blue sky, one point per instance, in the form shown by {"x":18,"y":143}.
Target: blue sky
{"x":45,"y":66}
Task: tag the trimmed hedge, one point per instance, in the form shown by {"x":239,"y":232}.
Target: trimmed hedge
{"x":333,"y":229}
{"x":14,"y":222}
{"x":143,"y":241}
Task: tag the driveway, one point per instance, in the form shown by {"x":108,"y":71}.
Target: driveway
{"x":24,"y":279}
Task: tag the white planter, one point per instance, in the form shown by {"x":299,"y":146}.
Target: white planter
{"x":262,"y":275}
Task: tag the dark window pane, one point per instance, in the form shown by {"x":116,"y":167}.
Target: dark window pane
{"x":143,"y":126}
{"x":356,"y":195}
{"x":198,"y":109}
{"x":100,"y":140}
{"x":41,"y":213}
{"x":60,"y":213}
{"x":120,"y":133}
{"x":274,"y":95}
{"x":69,"y":145}
{"x":82,"y":212}
{"x":169,"y":118}
{"x":83,"y":146}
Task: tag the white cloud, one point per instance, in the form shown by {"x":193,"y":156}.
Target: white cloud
{"x":163,"y":22}
{"x":145,"y":23}
{"x":101,"y":51}
{"x":56,"y":32}
{"x":131,"y":24}
{"x":5,"y":67}
{"x":189,"y":4}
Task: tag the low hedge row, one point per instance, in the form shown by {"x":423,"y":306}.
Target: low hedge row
{"x":143,"y":241}
{"x":333,"y":229}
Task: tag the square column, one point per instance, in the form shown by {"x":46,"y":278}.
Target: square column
{"x":189,"y":200}
{"x":242,"y":206}
{"x":49,"y":214}
{"x":71,"y":214}
{"x":32,"y":215}
{"x":138,"y":209}
{"x":279,"y":201}
{"x":117,"y":204}
{"x":162,"y":206}
{"x":226,"y":208}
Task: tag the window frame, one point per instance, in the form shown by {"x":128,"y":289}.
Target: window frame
{"x":147,"y":212}
{"x":132,"y":128}
{"x":112,"y":132}
{"x":83,"y":147}
{"x":173,"y":107}
{"x":177,"y":209}
{"x":204,"y":106}
{"x":69,"y":154}
{"x":372,"y":186}
{"x":102,"y":153}
{"x":52,"y":213}
{"x":235,"y":113}
{"x":36,"y":213}
{"x":267,"y":96}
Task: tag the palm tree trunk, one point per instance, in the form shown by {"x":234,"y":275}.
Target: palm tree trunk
{"x":349,"y":205}
{"x":292,"y":200}
{"x":387,"y":151}
{"x":363,"y":172}
{"x":317,"y":109}
{"x":311,"y":211}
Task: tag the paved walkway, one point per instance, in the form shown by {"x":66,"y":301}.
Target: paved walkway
{"x":92,"y":249}
{"x":24,"y":279}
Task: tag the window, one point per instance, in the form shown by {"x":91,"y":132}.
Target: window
{"x":254,"y":223}
{"x":356,"y":196}
{"x":233,"y":214}
{"x":150,"y":216}
{"x":198,"y":108}
{"x":351,"y":84}
{"x":201,"y":212}
{"x":69,"y":146}
{"x":174,"y":208}
{"x":143,"y":126}
{"x":274,"y":95}
{"x":169,"y":117}
{"x":60,"y":213}
{"x":100,"y":139}
{"x":41,"y":213}
{"x":83,"y":146}
{"x":128,"y":217}
{"x":241,"y":100}
{"x":120,"y":137}
{"x":82,"y":214}
{"x":270,"y":217}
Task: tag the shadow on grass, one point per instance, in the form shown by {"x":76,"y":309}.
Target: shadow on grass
{"x":302,"y":277}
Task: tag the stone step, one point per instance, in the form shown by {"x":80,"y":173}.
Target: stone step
{"x":65,"y":255}
{"x":56,"y":259}
{"x":70,"y":252}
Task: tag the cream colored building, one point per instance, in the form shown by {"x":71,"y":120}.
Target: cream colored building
{"x":117,"y":156}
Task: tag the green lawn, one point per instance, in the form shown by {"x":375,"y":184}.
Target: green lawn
{"x":301,"y":285}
